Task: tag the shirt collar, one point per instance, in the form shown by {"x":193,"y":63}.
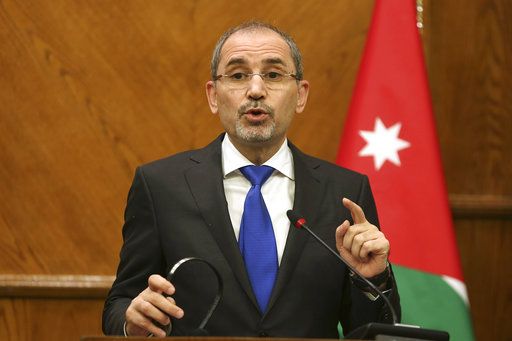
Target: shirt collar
{"x":232,"y":159}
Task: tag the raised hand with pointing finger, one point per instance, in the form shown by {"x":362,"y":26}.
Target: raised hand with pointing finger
{"x":362,"y":244}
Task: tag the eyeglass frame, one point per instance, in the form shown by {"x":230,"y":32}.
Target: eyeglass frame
{"x":250,"y":75}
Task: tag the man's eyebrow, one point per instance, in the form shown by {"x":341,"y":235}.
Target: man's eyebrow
{"x":243,"y":61}
{"x":274,"y":61}
{"x":236,"y":61}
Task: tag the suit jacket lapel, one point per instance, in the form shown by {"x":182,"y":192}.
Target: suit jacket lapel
{"x":308,"y":193}
{"x":205,"y":182}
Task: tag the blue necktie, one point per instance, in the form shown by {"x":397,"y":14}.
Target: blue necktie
{"x":257,"y":241}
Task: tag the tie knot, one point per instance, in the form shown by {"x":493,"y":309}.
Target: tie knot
{"x":257,"y":175}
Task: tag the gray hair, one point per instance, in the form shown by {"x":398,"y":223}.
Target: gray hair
{"x":253,"y":26}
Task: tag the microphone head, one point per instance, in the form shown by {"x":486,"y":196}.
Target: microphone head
{"x":296,"y":219}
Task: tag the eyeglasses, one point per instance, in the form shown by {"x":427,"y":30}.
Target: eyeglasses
{"x":240,"y":80}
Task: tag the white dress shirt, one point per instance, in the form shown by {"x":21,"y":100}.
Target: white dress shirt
{"x":278,"y":191}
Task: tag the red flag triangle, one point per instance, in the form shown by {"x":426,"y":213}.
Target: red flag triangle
{"x":390,"y":135}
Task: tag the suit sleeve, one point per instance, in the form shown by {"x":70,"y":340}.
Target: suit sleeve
{"x":360,"y":310}
{"x":140,"y":255}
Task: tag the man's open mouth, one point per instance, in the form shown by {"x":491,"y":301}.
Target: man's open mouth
{"x":256,"y":115}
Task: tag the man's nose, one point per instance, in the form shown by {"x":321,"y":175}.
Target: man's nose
{"x":256,"y":88}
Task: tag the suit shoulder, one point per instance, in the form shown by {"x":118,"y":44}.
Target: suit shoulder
{"x":171,"y":161}
{"x":330,"y":169}
{"x":180,"y":162}
{"x":167,"y":166}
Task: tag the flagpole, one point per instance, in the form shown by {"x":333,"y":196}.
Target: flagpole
{"x":419,"y":15}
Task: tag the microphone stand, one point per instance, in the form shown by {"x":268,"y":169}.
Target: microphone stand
{"x":391,"y":332}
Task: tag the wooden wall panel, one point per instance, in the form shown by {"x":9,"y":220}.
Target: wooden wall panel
{"x":485,"y":246}
{"x":38,"y":319}
{"x":90,"y":89}
{"x":470,"y":64}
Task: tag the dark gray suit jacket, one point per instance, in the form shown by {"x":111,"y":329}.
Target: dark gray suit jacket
{"x":177,"y":208}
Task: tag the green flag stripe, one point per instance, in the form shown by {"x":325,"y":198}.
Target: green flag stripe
{"x":430,"y":302}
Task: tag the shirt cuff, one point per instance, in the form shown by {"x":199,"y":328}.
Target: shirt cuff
{"x":124,"y":329}
{"x":381,"y":281}
{"x":149,"y":335}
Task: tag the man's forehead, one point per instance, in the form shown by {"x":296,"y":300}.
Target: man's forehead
{"x":264,"y":43}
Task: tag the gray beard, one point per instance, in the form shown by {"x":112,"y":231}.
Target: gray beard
{"x":255,"y":133}
{"x":259,"y":132}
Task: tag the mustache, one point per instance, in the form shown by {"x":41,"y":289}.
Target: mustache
{"x":255,"y":105}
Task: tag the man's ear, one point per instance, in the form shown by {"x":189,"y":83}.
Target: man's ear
{"x":211,"y":94}
{"x":302,"y":96}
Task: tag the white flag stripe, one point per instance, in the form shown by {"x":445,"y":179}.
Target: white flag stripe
{"x":459,"y":287}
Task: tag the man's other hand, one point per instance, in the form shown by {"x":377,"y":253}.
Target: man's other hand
{"x":151,"y":305}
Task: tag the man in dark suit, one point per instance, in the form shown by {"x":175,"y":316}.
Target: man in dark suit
{"x":192,"y":205}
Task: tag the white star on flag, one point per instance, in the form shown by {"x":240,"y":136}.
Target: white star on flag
{"x":383,"y":143}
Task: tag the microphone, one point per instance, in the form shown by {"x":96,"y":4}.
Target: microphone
{"x":371,"y":330}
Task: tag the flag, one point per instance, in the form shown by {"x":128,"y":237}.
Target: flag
{"x":390,"y":135}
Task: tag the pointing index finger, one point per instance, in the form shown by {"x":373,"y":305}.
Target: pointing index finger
{"x":355,"y":210}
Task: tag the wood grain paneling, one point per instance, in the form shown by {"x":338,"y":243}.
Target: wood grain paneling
{"x":91,"y":89}
{"x":46,"y":319}
{"x":485,"y":248}
{"x":55,"y":286}
{"x":481,"y":206}
{"x":470,"y":68}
